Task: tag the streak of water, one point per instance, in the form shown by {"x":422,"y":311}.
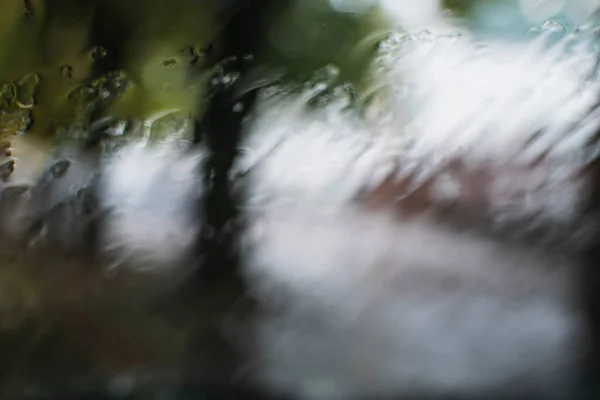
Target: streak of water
{"x":497,"y":104}
{"x":519,"y":118}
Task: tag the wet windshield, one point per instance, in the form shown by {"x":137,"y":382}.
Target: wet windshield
{"x":314,"y":199}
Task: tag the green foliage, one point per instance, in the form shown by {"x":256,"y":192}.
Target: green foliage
{"x":49,"y":41}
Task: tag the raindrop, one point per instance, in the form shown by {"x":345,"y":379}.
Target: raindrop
{"x":170,"y":62}
{"x":229,"y":78}
{"x":117,"y":128}
{"x":30,"y":79}
{"x":27,"y":7}
{"x":14,"y":123}
{"x":59,"y":168}
{"x":85,"y":93}
{"x":104,"y":94}
{"x":425,"y":35}
{"x":66,"y":71}
{"x":36,"y":234}
{"x":448,"y":13}
{"x":7,"y":94}
{"x":238,"y":107}
{"x":190,"y":54}
{"x":98,"y":52}
{"x":6,"y":169}
{"x":170,"y":126}
{"x":553,"y":26}
{"x":329,"y":73}
{"x":25,"y":98}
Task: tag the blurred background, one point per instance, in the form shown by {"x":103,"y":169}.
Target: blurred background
{"x":411,"y":80}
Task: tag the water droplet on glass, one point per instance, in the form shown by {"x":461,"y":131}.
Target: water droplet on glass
{"x":36,"y":234}
{"x":66,"y":71}
{"x":30,"y":79}
{"x":553,"y":26}
{"x":59,"y":168}
{"x":170,"y":62}
{"x":170,"y":127}
{"x":98,"y":52}
{"x":14,"y":123}
{"x":238,"y":107}
{"x":448,"y":13}
{"x":229,"y":78}
{"x":190,"y":54}
{"x":25,"y":91}
{"x":329,"y":73}
{"x":7,"y":168}
{"x":117,"y":128}
{"x":27,"y":7}
{"x":7,"y":94}
{"x":425,"y":35}
{"x":85,"y":93}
